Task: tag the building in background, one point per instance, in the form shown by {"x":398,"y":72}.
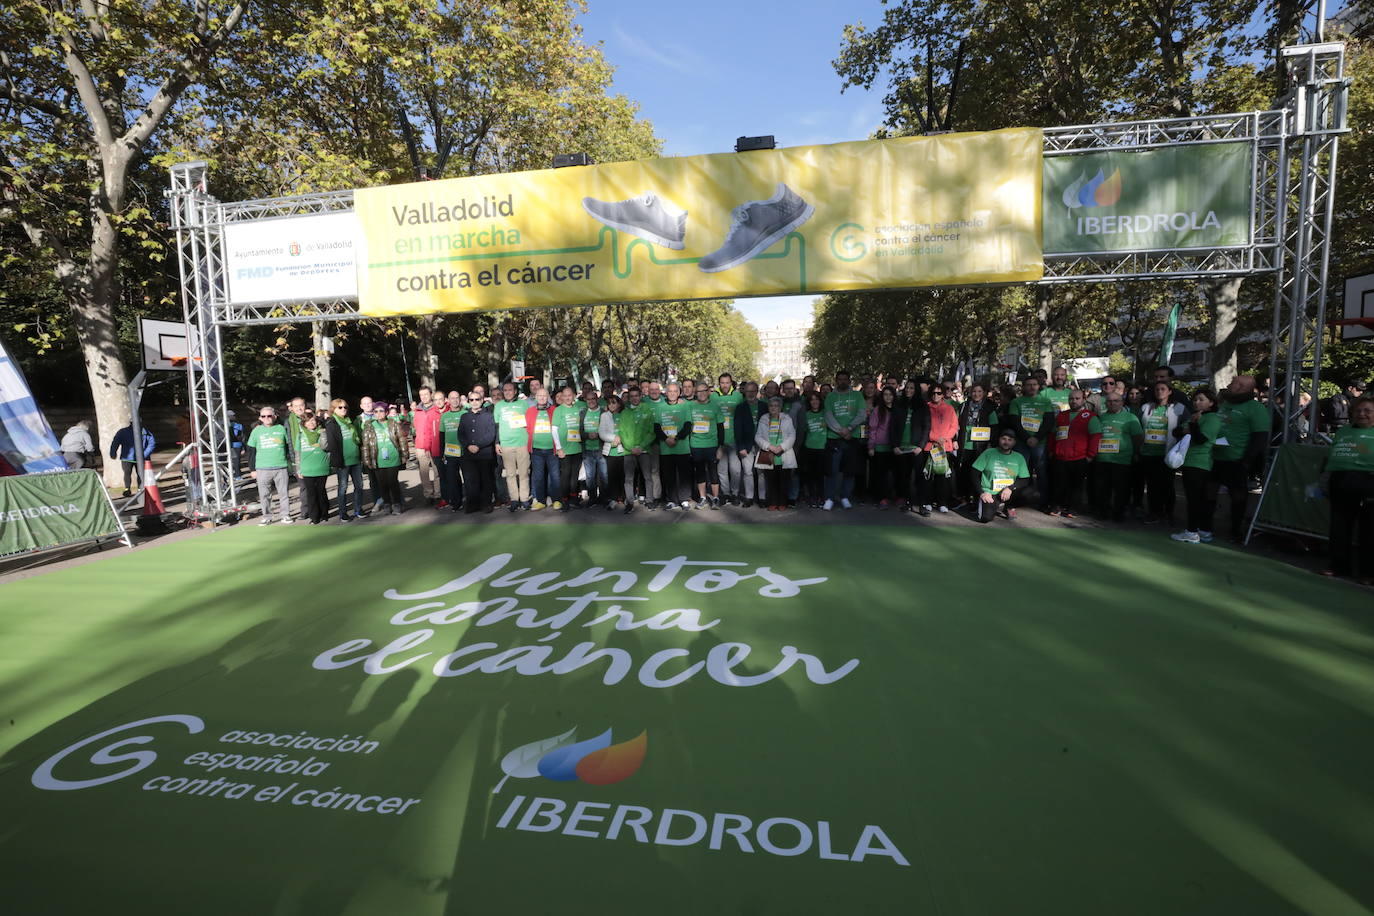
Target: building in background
{"x":781,"y":354}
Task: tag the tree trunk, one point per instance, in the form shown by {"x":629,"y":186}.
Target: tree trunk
{"x":1222,"y":302}
{"x":92,"y":300}
{"x":321,"y":376}
{"x":1044,"y":329}
{"x":425,"y":362}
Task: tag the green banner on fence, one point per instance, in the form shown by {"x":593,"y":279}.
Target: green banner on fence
{"x":1291,"y":501}
{"x":47,"y":510}
{"x":1176,"y":197}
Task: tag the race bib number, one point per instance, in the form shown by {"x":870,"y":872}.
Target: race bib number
{"x":385,"y":452}
{"x":517,"y":420}
{"x":1156,"y":436}
{"x":574,"y":436}
{"x":670,"y":432}
{"x":453,"y":450}
{"x":979,"y":433}
{"x":1109,"y":447}
{"x":1061,"y":433}
{"x":1030,"y":422}
{"x":701,"y":427}
{"x":726,"y":422}
{"x":1001,"y":483}
{"x":542,"y":425}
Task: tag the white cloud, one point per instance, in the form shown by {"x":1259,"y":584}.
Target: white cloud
{"x":669,"y":56}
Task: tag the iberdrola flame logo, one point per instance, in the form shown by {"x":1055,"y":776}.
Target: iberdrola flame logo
{"x":562,"y":758}
{"x":1100,"y":191}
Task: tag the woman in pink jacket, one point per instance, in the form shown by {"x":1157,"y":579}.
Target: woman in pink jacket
{"x":882,"y":417}
{"x":933,"y":485}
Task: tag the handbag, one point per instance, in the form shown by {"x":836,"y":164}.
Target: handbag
{"x":764,"y":459}
{"x":1174,"y":458}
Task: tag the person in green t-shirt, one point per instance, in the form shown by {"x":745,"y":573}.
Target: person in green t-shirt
{"x":1059,"y":390}
{"x":1122,"y":439}
{"x":1199,"y":484}
{"x":451,"y":453}
{"x":1032,"y":417}
{"x":512,"y":447}
{"x":706,"y":439}
{"x":386,"y":448}
{"x":1350,"y":486}
{"x":267,"y":451}
{"x":811,"y":457}
{"x":1240,"y":450}
{"x":1002,"y":477}
{"x":727,"y":397}
{"x":342,"y":439}
{"x":593,"y":453}
{"x":977,"y":422}
{"x":845,"y":412}
{"x":638,"y":425}
{"x":312,"y":465}
{"x":567,"y":427}
{"x":675,"y":449}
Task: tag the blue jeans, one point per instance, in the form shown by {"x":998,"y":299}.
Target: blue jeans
{"x":342,"y":475}
{"x":544,"y":482}
{"x":594,"y":469}
{"x":844,"y":454}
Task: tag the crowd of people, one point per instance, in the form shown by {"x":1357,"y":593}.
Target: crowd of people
{"x":923,"y":446}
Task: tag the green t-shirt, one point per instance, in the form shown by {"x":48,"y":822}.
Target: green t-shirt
{"x":1032,"y":413}
{"x":904,"y":440}
{"x":543,"y":428}
{"x":705,"y":420}
{"x":314,"y":460}
{"x":727,"y":404}
{"x":591,"y":427}
{"x":847,"y":407}
{"x":1117,"y":445}
{"x":388,"y":456}
{"x":637,"y":427}
{"x":979,"y":436}
{"x":676,"y":420}
{"x":1156,"y":431}
{"x":1059,"y":397}
{"x":1238,"y":423}
{"x":815,"y":429}
{"x":348,"y":435}
{"x":565,"y":420}
{"x":448,"y":429}
{"x":1200,"y":455}
{"x":510,"y":423}
{"x":997,"y":471}
{"x":270,"y":445}
{"x":1352,"y":450}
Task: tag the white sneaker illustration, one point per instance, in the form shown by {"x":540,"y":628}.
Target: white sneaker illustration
{"x":647,"y":216}
{"x":757,"y":225}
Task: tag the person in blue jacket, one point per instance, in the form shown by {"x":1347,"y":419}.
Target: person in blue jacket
{"x":122,"y":447}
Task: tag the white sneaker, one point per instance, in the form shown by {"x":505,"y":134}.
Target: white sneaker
{"x":1186,"y":537}
{"x":686,"y":504}
{"x":264,"y":521}
{"x":1205,"y":537}
{"x":647,"y":216}
{"x":828,"y":505}
{"x":846,"y":504}
{"x":287,"y":521}
{"x":944,"y":508}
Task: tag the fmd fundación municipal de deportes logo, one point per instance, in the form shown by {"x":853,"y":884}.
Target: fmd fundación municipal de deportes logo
{"x":1098,"y":191}
{"x":562,"y":758}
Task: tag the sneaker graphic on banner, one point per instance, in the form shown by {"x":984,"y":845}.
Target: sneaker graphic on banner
{"x":756,"y":226}
{"x":647,"y":216}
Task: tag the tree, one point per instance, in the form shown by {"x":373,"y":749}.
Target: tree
{"x":83,"y":88}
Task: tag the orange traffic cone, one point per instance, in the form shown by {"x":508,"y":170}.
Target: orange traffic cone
{"x":152,"y":499}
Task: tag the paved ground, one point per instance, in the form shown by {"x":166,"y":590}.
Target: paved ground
{"x":1303,"y":553}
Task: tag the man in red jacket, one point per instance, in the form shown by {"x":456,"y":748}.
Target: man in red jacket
{"x":1077,"y":434}
{"x":428,"y":442}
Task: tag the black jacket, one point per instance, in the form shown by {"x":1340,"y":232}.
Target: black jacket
{"x":976,"y":414}
{"x":919,"y":413}
{"x":478,"y":428}
{"x":333,"y":443}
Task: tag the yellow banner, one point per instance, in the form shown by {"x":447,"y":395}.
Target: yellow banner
{"x":915,"y":211}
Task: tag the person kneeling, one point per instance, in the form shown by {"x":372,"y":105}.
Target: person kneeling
{"x":1003,"y":478}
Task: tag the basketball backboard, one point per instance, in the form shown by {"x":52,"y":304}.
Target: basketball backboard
{"x":1359,"y":303}
{"x":164,"y":344}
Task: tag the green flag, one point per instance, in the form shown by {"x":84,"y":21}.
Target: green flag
{"x":1166,"y":349}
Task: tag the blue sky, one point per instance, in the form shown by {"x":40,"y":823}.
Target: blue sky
{"x":707,"y":72}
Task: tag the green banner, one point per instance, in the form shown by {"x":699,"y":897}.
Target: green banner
{"x":47,"y":510}
{"x":1291,"y":500}
{"x":1176,"y":197}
